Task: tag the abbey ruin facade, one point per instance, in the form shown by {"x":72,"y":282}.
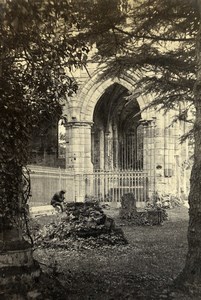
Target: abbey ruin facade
{"x":106,"y":130}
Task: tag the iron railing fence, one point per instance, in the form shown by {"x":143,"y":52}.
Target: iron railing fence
{"x":104,"y":186}
{"x":110,"y":186}
{"x":45,"y":181}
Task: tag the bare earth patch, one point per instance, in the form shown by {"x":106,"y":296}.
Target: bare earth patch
{"x":143,"y":269}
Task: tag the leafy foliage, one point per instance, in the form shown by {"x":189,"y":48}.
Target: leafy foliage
{"x":42,"y":42}
{"x":38,"y":49}
{"x":156,"y":39}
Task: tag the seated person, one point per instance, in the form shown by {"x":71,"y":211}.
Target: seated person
{"x":58,"y":199}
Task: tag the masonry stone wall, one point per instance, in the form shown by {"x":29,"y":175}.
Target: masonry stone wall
{"x":90,"y":146}
{"x":162,"y":153}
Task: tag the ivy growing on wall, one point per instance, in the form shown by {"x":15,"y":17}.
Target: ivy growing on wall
{"x":39,"y":46}
{"x":42,"y":43}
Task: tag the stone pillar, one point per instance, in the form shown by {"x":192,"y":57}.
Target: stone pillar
{"x":78,"y":153}
{"x":177,"y":156}
{"x":167,"y":181}
{"x":161,"y":156}
{"x":168,"y":148}
{"x":107,"y":150}
{"x":92,"y":146}
{"x":78,"y":156}
{"x":185,"y":166}
{"x":149,"y":153}
{"x":102,"y":146}
{"x":145,"y":146}
{"x":86,"y":139}
{"x":115,"y":147}
{"x":152,"y":128}
{"x":138,"y":151}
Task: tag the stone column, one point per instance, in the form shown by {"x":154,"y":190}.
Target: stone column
{"x":78,"y":157}
{"x":78,"y":153}
{"x":145,"y":145}
{"x":92,"y":146}
{"x":102,"y":146}
{"x":108,"y":147}
{"x":165,"y":157}
{"x":185,"y":169}
{"x":161,"y":156}
{"x":153,"y":156}
{"x":107,"y":150}
{"x":138,"y":151}
{"x":168,"y":148}
{"x":115,"y":147}
{"x":177,"y":157}
{"x":170,"y":181}
{"x":149,"y":153}
{"x":86,"y":139}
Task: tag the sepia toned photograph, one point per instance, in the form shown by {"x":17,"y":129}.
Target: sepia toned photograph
{"x":100,"y":149}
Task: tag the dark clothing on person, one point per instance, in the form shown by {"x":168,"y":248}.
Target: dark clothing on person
{"x":57,"y":200}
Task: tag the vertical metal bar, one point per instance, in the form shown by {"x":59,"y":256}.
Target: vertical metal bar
{"x":125,"y":166}
{"x":137,"y":186}
{"x":137,"y":150}
{"x":109,"y":178}
{"x":98,"y":186}
{"x":85,"y":185}
{"x":128,"y":151}
{"x":125,"y":157}
{"x":105,"y":185}
{"x":119,"y":186}
{"x":113,"y":187}
{"x":129,"y":181}
{"x":101,"y":179}
{"x":127,"y":140}
{"x":122,"y":157}
{"x":94,"y":189}
{"x":145,"y":187}
{"x":140,"y":187}
{"x":134,"y":184}
{"x":132,"y":151}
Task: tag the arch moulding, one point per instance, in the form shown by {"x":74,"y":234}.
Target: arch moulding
{"x":95,"y":88}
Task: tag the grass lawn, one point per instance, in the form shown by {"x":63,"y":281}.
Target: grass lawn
{"x":141,"y":270}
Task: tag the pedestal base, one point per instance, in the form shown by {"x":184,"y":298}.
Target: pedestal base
{"x":18,"y":270}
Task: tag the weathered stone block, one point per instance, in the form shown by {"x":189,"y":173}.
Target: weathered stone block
{"x":128,"y":205}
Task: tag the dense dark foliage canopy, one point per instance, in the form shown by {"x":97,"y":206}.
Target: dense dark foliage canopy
{"x":42,"y":41}
{"x":157,"y":40}
{"x":39,"y":47}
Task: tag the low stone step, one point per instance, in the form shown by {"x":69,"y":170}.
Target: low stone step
{"x":43,"y":210}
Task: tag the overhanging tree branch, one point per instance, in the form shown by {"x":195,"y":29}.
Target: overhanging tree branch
{"x":153,"y":37}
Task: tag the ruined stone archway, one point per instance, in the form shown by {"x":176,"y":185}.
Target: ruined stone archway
{"x":114,"y":144}
{"x":117,"y":138}
{"x":81,"y":119}
{"x":93,"y":90}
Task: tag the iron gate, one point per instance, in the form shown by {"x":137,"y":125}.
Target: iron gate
{"x":110,"y":186}
{"x":104,"y":186}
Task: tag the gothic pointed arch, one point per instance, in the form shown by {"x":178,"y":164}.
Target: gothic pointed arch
{"x":94,"y":88}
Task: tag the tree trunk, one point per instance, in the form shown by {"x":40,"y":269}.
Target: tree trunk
{"x":17,"y":266}
{"x":192,"y":271}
